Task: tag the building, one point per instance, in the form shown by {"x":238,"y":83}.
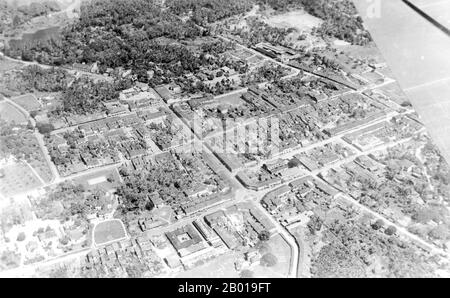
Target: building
{"x":185,"y":240}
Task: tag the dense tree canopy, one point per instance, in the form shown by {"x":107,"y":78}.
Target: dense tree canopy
{"x":208,"y":11}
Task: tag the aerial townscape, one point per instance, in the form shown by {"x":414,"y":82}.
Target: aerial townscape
{"x":211,"y":138}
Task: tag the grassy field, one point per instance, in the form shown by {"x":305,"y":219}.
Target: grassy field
{"x":7,"y":65}
{"x":28,"y":102}
{"x":299,"y":20}
{"x":108,"y":231}
{"x":282,"y":251}
{"x":106,"y":180}
{"x":224,"y":265}
{"x":18,"y":178}
{"x":9,"y":113}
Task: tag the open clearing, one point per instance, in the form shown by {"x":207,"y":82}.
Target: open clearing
{"x":106,"y":180}
{"x":109,"y":231}
{"x":28,"y":102}
{"x":220,"y":267}
{"x":17,"y":178}
{"x":282,"y":251}
{"x":298,"y":19}
{"x":10,"y":114}
{"x":224,"y":265}
{"x":7,"y":65}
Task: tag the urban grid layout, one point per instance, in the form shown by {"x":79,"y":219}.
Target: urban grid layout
{"x":211,"y":138}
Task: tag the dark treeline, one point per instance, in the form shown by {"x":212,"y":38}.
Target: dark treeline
{"x":204,"y":12}
{"x":128,"y":34}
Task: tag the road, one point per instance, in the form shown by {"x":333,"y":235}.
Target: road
{"x":245,"y":194}
{"x":67,"y":68}
{"x":289,"y":238}
{"x":29,"y":270}
{"x":297,"y":256}
{"x":401,"y":230}
{"x":40,"y":140}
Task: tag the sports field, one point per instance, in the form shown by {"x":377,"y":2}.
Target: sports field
{"x":109,"y":231}
{"x":28,"y":102}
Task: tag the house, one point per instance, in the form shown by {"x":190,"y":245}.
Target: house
{"x":206,"y":232}
{"x":197,"y":190}
{"x":276,"y":167}
{"x":156,"y":200}
{"x":173,"y":262}
{"x":83,"y":67}
{"x":115,"y":109}
{"x":280,"y":192}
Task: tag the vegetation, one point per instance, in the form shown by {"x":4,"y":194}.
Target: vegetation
{"x":11,"y":17}
{"x":264,"y":236}
{"x":204,"y":12}
{"x":256,"y":31}
{"x":34,"y":79}
{"x":72,"y":201}
{"x":84,"y":96}
{"x":155,"y":44}
{"x":269,"y":72}
{"x":167,"y":180}
{"x":340,"y":17}
{"x":246,"y":274}
{"x":341,"y":20}
{"x":19,"y":142}
{"x":268,"y":260}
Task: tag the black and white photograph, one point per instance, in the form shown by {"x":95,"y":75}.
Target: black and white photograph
{"x":240,"y":141}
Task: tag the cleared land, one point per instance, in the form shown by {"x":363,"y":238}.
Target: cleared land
{"x":109,"y":231}
{"x":220,"y":267}
{"x":106,"y":180}
{"x":17,"y":178}
{"x":10,"y":114}
{"x":299,"y":20}
{"x":28,"y":102}
{"x":281,"y":250}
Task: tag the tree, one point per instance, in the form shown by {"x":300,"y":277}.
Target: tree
{"x":264,"y":236}
{"x":45,"y":128}
{"x":440,"y":232}
{"x":246,"y":273}
{"x":391,"y":230}
{"x":21,"y":236}
{"x":293,"y":163}
{"x":378,"y":224}
{"x":268,"y":260}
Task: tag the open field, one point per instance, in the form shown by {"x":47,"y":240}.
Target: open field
{"x":280,"y":248}
{"x":299,"y":20}
{"x":106,"y":180}
{"x":109,"y":231}
{"x":61,"y":3}
{"x":17,"y":178}
{"x":10,"y":114}
{"x":220,"y":267}
{"x":369,"y":52}
{"x":231,"y":99}
{"x":28,"y":102}
{"x":225,"y":265}
{"x":6,"y":65}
